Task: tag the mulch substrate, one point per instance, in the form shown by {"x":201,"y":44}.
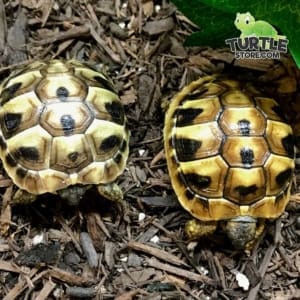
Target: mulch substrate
{"x":138,"y":250}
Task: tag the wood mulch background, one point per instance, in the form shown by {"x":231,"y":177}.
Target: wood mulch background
{"x":98,"y":250}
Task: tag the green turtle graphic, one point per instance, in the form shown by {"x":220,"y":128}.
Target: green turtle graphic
{"x":249,"y":27}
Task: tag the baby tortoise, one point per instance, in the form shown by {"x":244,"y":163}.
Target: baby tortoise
{"x":230,"y":156}
{"x":62,"y":130}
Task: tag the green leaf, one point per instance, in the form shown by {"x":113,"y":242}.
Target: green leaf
{"x":216,"y":20}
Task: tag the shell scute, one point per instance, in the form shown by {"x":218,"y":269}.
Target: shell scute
{"x":61,"y":88}
{"x":70,"y":153}
{"x":191,"y":145}
{"x":245,"y":186}
{"x":106,"y":143}
{"x":205,"y":177}
{"x":36,"y":145}
{"x":19,"y":85}
{"x":236,"y":98}
{"x":242,"y":121}
{"x":245,"y":151}
{"x":279,"y":171}
{"x":95,"y":79}
{"x":270,"y":108}
{"x":20,"y":113}
{"x":279,"y":137}
{"x":197,"y":111}
{"x":61,"y":119}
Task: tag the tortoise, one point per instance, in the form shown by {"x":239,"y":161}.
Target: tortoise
{"x":63,"y":130}
{"x":230,"y":156}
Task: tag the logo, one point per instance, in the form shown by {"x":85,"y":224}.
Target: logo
{"x":258,"y":39}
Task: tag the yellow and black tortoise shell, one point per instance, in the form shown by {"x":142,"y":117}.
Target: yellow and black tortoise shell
{"x":229,"y":151}
{"x":62,"y":123}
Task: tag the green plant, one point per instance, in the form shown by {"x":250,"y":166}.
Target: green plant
{"x":216,"y":20}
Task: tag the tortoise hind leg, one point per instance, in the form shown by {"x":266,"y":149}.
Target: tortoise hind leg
{"x":111,"y":191}
{"x":22,"y":197}
{"x":196,"y":229}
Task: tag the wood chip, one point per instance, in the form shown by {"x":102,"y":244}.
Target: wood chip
{"x":158,"y":201}
{"x":252,"y":273}
{"x":5,"y":218}
{"x":205,"y":64}
{"x":163,"y":255}
{"x":254,"y":64}
{"x":5,"y":182}
{"x":157,"y":27}
{"x":130,"y":277}
{"x":30,"y":4}
{"x":129,"y":96}
{"x":177,"y":48}
{"x":109,"y":253}
{"x":74,"y":32}
{"x":81,"y":293}
{"x":70,"y":233}
{"x":145,"y":91}
{"x":117,"y":31}
{"x":19,"y":287}
{"x":46,"y":290}
{"x":103,"y":45}
{"x":149,"y":233}
{"x":70,"y":278}
{"x":16,"y":39}
{"x":9,"y":267}
{"x":97,"y":229}
{"x":262,"y":270}
{"x":4,"y":247}
{"x":225,"y":56}
{"x":3,"y":27}
{"x":94,"y":19}
{"x":148,"y":8}
{"x":89,"y":249}
{"x":220,"y":272}
{"x":129,"y":295}
{"x":180,"y":272}
{"x":46,"y":7}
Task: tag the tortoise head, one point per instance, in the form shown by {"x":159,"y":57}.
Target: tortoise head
{"x":241,"y":230}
